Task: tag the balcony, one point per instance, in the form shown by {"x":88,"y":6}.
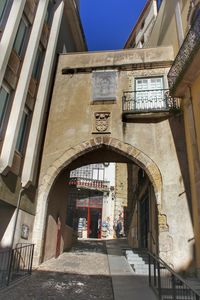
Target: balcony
{"x":186,"y":63}
{"x":91,"y":184}
{"x":148,"y":104}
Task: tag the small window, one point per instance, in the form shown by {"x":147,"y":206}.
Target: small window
{"x":49,"y":12}
{"x":142,"y":42}
{"x":2,"y":8}
{"x":38,"y":64}
{"x":195,"y":14}
{"x":142,"y":25}
{"x":98,"y":174}
{"x":4,"y":100}
{"x":22,"y":131}
{"x":20,"y":37}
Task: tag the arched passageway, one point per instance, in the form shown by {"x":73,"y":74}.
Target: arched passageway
{"x":51,"y":207}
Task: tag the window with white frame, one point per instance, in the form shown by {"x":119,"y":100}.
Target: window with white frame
{"x":4,"y":100}
{"x":22,"y":130}
{"x":49,"y":12}
{"x":21,"y":36}
{"x":3,"y":4}
{"x":149,"y":93}
{"x":98,"y":174}
{"x":38,"y":64}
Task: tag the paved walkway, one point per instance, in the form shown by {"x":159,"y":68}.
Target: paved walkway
{"x":81,"y":274}
{"x":126,"y":285}
{"x":84,"y":274}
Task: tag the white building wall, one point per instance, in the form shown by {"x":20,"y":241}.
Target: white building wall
{"x":14,"y":122}
{"x":148,"y":19}
{"x":109,"y":200}
{"x":9,"y":34}
{"x":33,"y":141}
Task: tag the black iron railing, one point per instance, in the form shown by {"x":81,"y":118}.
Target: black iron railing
{"x":149,"y":101}
{"x":166,"y":283}
{"x":15,"y":263}
{"x":186,"y":53}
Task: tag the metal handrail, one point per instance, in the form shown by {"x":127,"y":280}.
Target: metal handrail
{"x":15,"y":263}
{"x":138,"y":91}
{"x":175,"y":279}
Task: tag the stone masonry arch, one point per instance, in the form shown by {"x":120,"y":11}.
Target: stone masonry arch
{"x":71,"y":154}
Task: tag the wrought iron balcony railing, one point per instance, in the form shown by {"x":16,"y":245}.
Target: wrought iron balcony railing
{"x":91,"y":184}
{"x":185,"y":55}
{"x":149,"y":101}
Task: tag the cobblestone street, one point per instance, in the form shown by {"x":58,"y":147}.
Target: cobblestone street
{"x":82,"y":273}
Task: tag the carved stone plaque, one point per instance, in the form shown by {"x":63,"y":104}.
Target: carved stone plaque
{"x":104,"y":85}
{"x":162,"y":221}
{"x":25,"y":231}
{"x":101,"y":122}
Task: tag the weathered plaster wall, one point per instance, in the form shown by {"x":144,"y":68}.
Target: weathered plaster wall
{"x":72,"y":122}
{"x":121,"y":189}
{"x":191,"y":118}
{"x":57,"y":208}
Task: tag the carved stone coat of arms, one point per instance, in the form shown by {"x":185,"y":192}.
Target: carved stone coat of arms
{"x":102,"y":121}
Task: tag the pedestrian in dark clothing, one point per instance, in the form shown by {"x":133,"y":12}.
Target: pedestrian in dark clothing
{"x":118,"y":228}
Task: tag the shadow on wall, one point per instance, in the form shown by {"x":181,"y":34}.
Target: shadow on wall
{"x":6,"y":214}
{"x":178,"y":132}
{"x":58,"y":236}
{"x":177,"y":128}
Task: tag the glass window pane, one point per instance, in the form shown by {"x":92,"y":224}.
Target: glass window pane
{"x":19,"y":40}
{"x":49,"y":11}
{"x":149,"y":93}
{"x":95,"y":174}
{"x":141,"y":84}
{"x":22,"y":132}
{"x":155,"y":84}
{"x":38,"y":64}
{"x":4,"y":96}
{"x":2,"y":8}
{"x":101,"y":174}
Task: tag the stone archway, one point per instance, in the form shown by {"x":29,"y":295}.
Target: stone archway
{"x":70,"y":155}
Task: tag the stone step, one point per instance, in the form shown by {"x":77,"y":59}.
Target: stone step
{"x":138,"y":260}
{"x":141,"y":272}
{"x":132,"y":261}
{"x":133,"y":255}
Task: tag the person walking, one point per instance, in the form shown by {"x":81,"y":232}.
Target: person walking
{"x":118,"y":228}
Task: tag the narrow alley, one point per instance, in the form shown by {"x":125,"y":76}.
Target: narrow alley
{"x":91,"y":270}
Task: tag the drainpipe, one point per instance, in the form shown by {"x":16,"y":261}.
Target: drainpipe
{"x":16,"y":216}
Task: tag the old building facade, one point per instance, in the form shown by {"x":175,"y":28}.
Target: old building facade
{"x":177,"y":24}
{"x":32,"y":34}
{"x":139,"y":132}
{"x":184,"y":83}
{"x":112,"y":107}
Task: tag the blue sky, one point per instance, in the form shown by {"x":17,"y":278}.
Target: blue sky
{"x":108,"y":23}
